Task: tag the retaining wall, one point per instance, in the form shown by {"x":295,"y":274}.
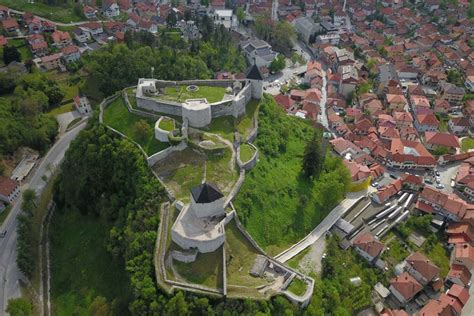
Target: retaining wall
{"x":249,"y":164}
{"x":165,"y":153}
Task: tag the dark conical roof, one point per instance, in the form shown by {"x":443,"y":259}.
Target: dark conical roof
{"x":254,"y":73}
{"x":206,"y":193}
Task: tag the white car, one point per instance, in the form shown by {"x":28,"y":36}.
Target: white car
{"x":440,"y":186}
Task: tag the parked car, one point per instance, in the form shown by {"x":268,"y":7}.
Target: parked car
{"x":375,"y":184}
{"x":437,"y":173}
{"x":428,"y":181}
{"x":440,"y":186}
{"x":393,"y":176}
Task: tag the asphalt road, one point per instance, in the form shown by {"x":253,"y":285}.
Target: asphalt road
{"x":9,"y":272}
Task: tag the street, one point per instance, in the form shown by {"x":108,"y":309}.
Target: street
{"x":9,"y":272}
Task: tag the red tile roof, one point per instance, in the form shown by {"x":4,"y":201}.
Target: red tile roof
{"x":460,"y":272}
{"x":7,"y":186}
{"x":406,"y":285}
{"x":442,"y":139}
{"x":423,"y":265}
{"x":367,"y":243}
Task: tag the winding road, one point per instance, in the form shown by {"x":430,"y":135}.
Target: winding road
{"x":9,"y":272}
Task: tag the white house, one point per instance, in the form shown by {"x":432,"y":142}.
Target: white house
{"x":110,"y":9}
{"x":82,"y":104}
{"x":9,"y":189}
{"x":93,"y":28}
{"x":469,"y":83}
{"x":81,"y":36}
{"x":71,"y":53}
{"x":368,"y":247}
{"x":224,"y":17}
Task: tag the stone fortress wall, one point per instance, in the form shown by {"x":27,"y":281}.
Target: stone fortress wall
{"x":198,"y":115}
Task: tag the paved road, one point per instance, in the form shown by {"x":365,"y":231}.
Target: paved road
{"x":322,"y":228}
{"x":9,"y":273}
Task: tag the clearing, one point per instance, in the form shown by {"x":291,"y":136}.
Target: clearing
{"x":57,"y":13}
{"x":117,"y":116}
{"x":246,"y":152}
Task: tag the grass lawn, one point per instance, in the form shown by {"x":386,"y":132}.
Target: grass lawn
{"x":439,"y":256}
{"x":397,"y":252}
{"x":82,"y":268}
{"x":70,"y":91}
{"x":117,"y":116}
{"x":245,"y":122}
{"x":180,"y":94}
{"x":56,"y":13}
{"x":297,"y":287}
{"x":61,"y":109}
{"x":182,"y":171}
{"x":206,"y":270}
{"x":224,"y":126}
{"x":240,"y":258}
{"x":22,"y":47}
{"x":467,"y":144}
{"x":246,"y":152}
{"x":221,"y":171}
{"x":295,"y":261}
{"x":167,"y":124}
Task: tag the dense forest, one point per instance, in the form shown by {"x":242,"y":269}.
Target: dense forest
{"x":171,"y":57}
{"x":23,"y":100}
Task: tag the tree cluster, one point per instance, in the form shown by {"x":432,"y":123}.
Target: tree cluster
{"x":26,"y":243}
{"x":280,"y":34}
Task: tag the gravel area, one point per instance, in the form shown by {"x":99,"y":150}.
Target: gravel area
{"x":312,"y":261}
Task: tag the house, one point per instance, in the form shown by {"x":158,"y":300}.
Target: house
{"x":452,"y":93}
{"x":404,"y":287}
{"x":405,"y":154}
{"x":446,"y":205}
{"x":223,"y":17}
{"x":258,"y":52}
{"x":387,"y":74}
{"x":110,"y":9}
{"x":469,"y":83}
{"x":82,"y":104}
{"x":444,"y":305}
{"x":81,"y":36}
{"x":459,"y":125}
{"x":51,"y":62}
{"x":34,"y":24}
{"x":4,"y":12}
{"x":71,"y":53}
{"x":368,"y":247}
{"x":421,"y":268}
{"x":386,"y":192}
{"x":395,"y":102}
{"x":463,"y":254}
{"x":435,"y":140}
{"x":330,"y":38}
{"x":306,"y":28}
{"x":285,"y":101}
{"x":426,"y":123}
{"x":9,"y":189}
{"x":460,"y":233}
{"x":441,"y":106}
{"x":89,"y":12}
{"x":359,"y":173}
{"x":459,"y":274}
{"x":417,"y":101}
{"x":348,"y":81}
{"x":39,"y":48}
{"x":10,"y":25}
{"x":61,"y":39}
{"x":461,"y":295}
{"x":403,"y":119}
{"x":93,"y":28}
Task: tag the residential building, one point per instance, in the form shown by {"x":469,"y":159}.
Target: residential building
{"x":9,"y":189}
{"x":459,"y":125}
{"x":404,"y":287}
{"x":387,"y":75}
{"x":459,"y":274}
{"x":460,"y":233}
{"x":449,"y":206}
{"x":110,"y":9}
{"x":258,"y":52}
{"x":349,"y":80}
{"x":469,"y":83}
{"x":81,"y":36}
{"x":435,"y":140}
{"x":89,"y":12}
{"x":82,"y":104}
{"x":61,"y":39}
{"x":463,"y":254}
{"x":421,"y":268}
{"x":51,"y":62}
{"x":426,"y":123}
{"x":442,"y":106}
{"x":10,"y":25}
{"x":39,"y":48}
{"x":331,"y":38}
{"x":405,"y":154}
{"x":4,"y":12}
{"x":224,"y":17}
{"x":395,"y":102}
{"x":368,"y":247}
{"x":71,"y":54}
{"x":452,"y":93}
{"x":93,"y":28}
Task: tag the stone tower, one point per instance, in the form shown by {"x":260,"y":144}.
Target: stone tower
{"x":256,"y":80}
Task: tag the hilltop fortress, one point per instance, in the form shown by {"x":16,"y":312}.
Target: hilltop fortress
{"x":199,"y":101}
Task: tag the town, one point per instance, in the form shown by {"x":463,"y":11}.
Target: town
{"x":365,"y":107}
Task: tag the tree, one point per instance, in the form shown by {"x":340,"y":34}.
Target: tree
{"x":240,"y":14}
{"x":313,"y":158}
{"x":142,"y":129}
{"x":19,"y":307}
{"x":29,"y":201}
{"x":2,"y":169}
{"x":11,"y":53}
{"x":455,"y":77}
{"x":278,"y":63}
{"x":99,"y":307}
{"x":171,"y":19}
